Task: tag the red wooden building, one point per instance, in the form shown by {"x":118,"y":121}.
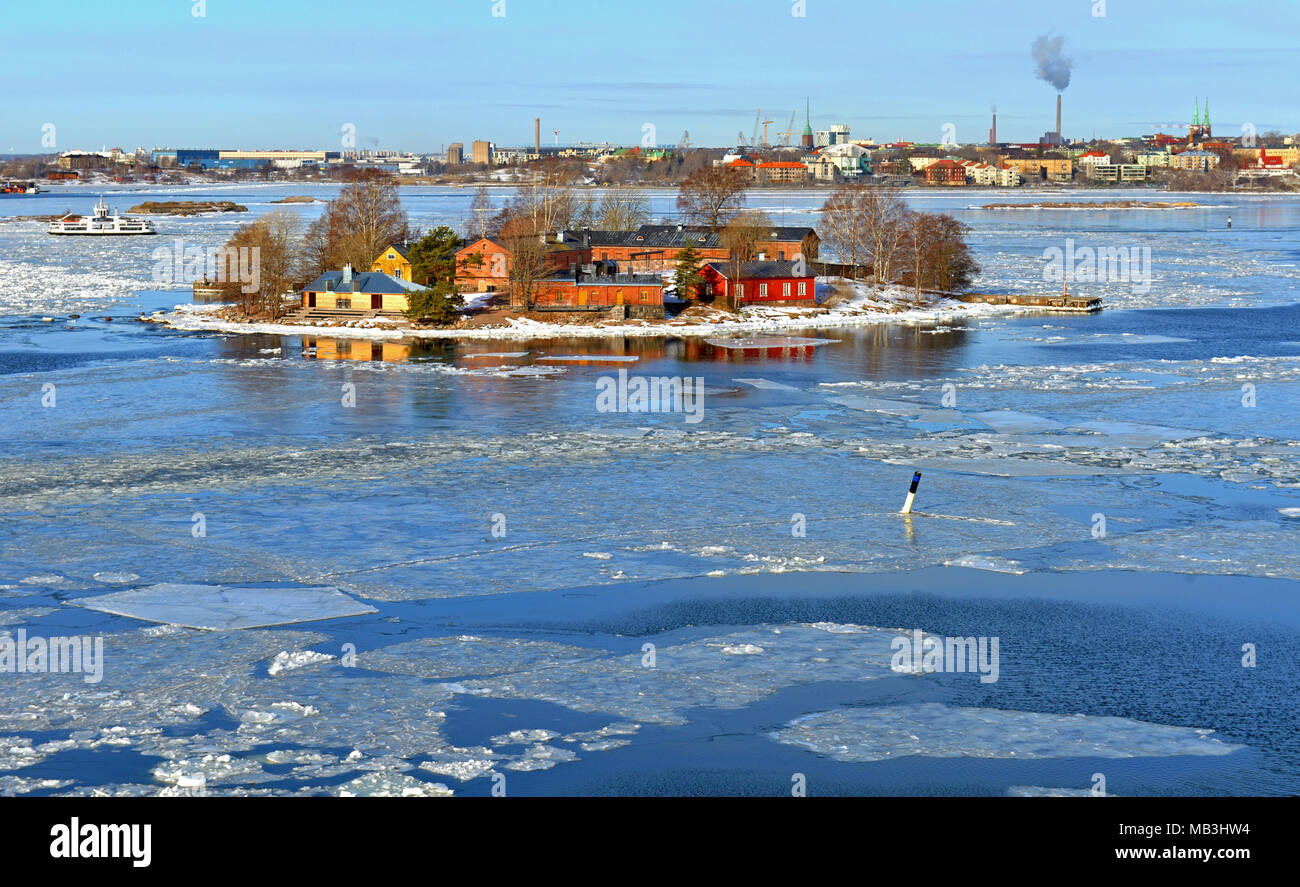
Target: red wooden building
{"x":762,"y":283}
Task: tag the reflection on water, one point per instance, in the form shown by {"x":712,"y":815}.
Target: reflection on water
{"x":321,"y":348}
{"x":885,"y":351}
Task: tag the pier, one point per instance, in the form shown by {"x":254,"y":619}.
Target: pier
{"x":1087,"y":304}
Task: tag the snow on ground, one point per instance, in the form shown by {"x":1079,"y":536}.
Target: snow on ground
{"x":864,"y":306}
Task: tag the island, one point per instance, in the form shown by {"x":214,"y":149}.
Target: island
{"x":187,"y":207}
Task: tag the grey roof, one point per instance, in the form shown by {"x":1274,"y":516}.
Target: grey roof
{"x":369,"y":282}
{"x":651,"y":237}
{"x":776,"y":232}
{"x":758,"y":270}
{"x":610,"y":279}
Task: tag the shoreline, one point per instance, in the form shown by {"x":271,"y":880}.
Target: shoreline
{"x":197,"y":318}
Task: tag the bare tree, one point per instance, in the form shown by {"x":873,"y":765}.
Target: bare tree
{"x":480,"y":211}
{"x":357,"y":225}
{"x":843,"y":226}
{"x":949,"y":261}
{"x":712,"y":196}
{"x":884,"y":228}
{"x":622,"y":209}
{"x":273,"y":256}
{"x":741,"y":238}
{"x":547,"y":203}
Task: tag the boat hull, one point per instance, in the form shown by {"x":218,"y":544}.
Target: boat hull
{"x":101,"y":233}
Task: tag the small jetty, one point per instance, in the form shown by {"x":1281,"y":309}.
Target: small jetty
{"x":208,"y":291}
{"x":1086,"y":304}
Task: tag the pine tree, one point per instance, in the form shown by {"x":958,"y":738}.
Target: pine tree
{"x":688,"y":277}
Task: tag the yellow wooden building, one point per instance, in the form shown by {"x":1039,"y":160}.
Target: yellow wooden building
{"x":394,"y":261}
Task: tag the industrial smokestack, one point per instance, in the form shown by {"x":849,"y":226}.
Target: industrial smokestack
{"x":1058,"y":114}
{"x":993,"y":131}
{"x":537,"y":135}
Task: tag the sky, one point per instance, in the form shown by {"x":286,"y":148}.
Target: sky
{"x":416,"y":75}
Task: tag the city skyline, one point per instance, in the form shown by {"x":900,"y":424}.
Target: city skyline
{"x":298,"y":75}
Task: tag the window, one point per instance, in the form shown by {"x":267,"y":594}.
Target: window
{"x":762,"y":289}
{"x":644,"y":296}
{"x":398,"y":273}
{"x":785,"y":288}
{"x":342,"y":302}
{"x":803,"y":288}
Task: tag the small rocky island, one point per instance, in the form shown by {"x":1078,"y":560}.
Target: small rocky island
{"x":296,"y":198}
{"x":186,"y":207}
{"x":1096,"y":204}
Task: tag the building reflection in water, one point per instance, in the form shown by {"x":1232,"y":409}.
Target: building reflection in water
{"x":322,"y":348}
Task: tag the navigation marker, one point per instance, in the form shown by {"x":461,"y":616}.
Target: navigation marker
{"x":911,"y":493}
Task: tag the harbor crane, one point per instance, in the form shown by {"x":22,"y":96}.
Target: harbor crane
{"x":765,"y":123}
{"x":789,"y":130}
{"x":753,"y":138}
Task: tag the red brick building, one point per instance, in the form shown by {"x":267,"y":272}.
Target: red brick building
{"x":484,"y":266}
{"x":762,"y":282}
{"x":600,"y":288}
{"x":945,"y":172}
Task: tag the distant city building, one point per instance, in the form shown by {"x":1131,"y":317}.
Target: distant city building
{"x":1199,"y":130}
{"x":481,"y":152}
{"x":778,"y":171}
{"x":836,"y":135}
{"x":1198,"y":161}
{"x":945,"y":172}
{"x":1030,"y":166}
{"x":455,"y":154}
{"x":1116,"y":172}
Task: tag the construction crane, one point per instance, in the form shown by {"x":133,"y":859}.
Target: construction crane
{"x":789,"y":130}
{"x":740,"y":139}
{"x":753,"y":138}
{"x":685,"y":144}
{"x":765,"y":123}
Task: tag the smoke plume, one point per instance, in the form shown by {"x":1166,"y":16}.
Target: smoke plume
{"x":1053,"y":65}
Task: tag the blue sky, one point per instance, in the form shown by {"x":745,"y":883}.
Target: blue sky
{"x":419,"y":74}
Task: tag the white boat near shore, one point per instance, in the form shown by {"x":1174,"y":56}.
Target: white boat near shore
{"x":101,"y":223}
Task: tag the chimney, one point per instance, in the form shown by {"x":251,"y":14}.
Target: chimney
{"x":1058,"y":115}
{"x":537,"y":135}
{"x":559,"y":237}
{"x":347,"y":274}
{"x":993,"y":133}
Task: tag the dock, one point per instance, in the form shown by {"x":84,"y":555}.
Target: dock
{"x":1086,"y":304}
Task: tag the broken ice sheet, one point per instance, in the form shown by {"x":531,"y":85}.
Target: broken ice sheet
{"x":392,"y":785}
{"x":700,"y":673}
{"x":218,"y":607}
{"x":1012,"y":421}
{"x":456,"y":657}
{"x":933,"y":729}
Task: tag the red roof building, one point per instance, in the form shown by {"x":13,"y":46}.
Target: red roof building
{"x":765,"y":283}
{"x":945,"y":172}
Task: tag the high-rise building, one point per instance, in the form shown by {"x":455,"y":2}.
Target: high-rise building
{"x":481,"y":152}
{"x":455,"y":154}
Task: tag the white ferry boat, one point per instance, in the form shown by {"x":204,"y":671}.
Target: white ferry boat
{"x":101,"y":223}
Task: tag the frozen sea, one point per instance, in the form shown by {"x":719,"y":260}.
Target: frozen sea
{"x":469,"y":578}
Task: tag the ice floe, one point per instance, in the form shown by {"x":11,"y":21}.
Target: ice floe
{"x":932,"y":729}
{"x":215,"y":607}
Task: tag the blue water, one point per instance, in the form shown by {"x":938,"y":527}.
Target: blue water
{"x":624,"y":529}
